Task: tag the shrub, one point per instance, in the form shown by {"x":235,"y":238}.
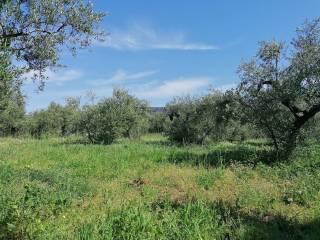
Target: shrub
{"x":121,"y":115}
{"x":57,"y":120}
{"x":183,"y":127}
{"x":213,"y":117}
{"x":12,"y":119}
{"x":192,"y":120}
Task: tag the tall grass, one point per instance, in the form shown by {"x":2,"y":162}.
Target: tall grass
{"x":148,"y":189}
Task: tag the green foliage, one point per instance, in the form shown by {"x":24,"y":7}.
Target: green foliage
{"x":121,"y":115}
{"x":210,"y":117}
{"x":311,"y":131}
{"x":33,"y":204}
{"x":185,"y":126}
{"x":36,"y":31}
{"x":11,"y":99}
{"x":12,"y":119}
{"x":56,"y":120}
{"x":6,"y":79}
{"x":157,"y":122}
{"x":280,"y":93}
{"x":32,"y":36}
{"x":9,"y":81}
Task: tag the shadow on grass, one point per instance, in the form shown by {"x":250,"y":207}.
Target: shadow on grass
{"x":73,"y":141}
{"x":233,"y":154}
{"x":161,"y":143}
{"x":266,"y":226}
{"x":252,"y":226}
{"x":281,"y":228}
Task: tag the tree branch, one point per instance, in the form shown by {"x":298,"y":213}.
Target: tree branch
{"x":296,"y":111}
{"x":312,"y":111}
{"x":13,"y":35}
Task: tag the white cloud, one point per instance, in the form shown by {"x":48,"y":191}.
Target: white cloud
{"x":57,"y":77}
{"x":138,"y":84}
{"x":120,"y":76}
{"x":149,"y":90}
{"x":177,"y":87}
{"x":139,"y":37}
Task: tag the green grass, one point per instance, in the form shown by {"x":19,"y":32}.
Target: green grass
{"x":147,"y":189}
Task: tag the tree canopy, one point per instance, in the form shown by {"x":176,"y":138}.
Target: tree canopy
{"x":280,"y":86}
{"x":37,"y":31}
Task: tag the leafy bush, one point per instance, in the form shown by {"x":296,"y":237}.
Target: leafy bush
{"x":56,"y":120}
{"x":185,"y":126}
{"x":121,"y":115}
{"x":11,"y":98}
{"x":311,"y":131}
{"x":211,"y":117}
{"x":12,"y":119}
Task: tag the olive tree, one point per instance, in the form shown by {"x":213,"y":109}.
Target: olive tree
{"x":11,"y":98}
{"x":9,"y":81}
{"x":35,"y":32}
{"x":56,"y":120}
{"x":121,"y":115}
{"x":12,"y":118}
{"x":183,"y":127}
{"x":195,"y":120}
{"x":280,"y":86}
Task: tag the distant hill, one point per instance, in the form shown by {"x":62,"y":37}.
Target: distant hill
{"x":157,"y":109}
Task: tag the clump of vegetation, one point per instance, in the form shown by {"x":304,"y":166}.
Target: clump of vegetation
{"x":121,"y":115}
{"x":213,"y":117}
{"x":12,"y":118}
{"x":56,"y":120}
{"x":184,"y":126}
{"x":11,"y":97}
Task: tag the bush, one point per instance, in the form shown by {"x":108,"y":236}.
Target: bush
{"x":196,"y":120}
{"x":185,"y":126}
{"x":311,"y":131}
{"x":213,"y":117}
{"x":56,"y":120}
{"x":121,"y":115}
{"x":12,"y":120}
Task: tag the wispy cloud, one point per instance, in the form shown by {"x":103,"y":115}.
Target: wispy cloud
{"x":149,"y":90}
{"x":121,"y":76}
{"x":143,"y":84}
{"x":177,"y":87}
{"x":56,"y":77}
{"x":140,"y":37}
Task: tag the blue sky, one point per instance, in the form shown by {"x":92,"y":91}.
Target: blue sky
{"x":161,"y":49}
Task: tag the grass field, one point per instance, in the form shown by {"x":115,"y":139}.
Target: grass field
{"x":146,"y":189}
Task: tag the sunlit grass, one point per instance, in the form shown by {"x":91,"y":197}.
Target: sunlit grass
{"x":148,"y":189}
